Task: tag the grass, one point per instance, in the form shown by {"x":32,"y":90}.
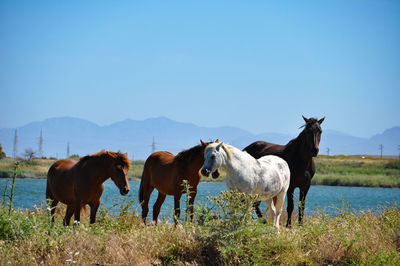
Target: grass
{"x":357,"y":171}
{"x":331,"y":170}
{"x":224,"y":234}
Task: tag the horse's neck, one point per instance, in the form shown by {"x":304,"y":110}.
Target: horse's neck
{"x":195,"y":163}
{"x":99,"y":171}
{"x":294,"y":150}
{"x":239,"y":160}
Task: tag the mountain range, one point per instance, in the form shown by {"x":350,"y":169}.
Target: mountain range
{"x":140,"y":137}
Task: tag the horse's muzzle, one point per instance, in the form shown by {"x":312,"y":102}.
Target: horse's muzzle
{"x":205,"y":172}
{"x":123,"y":191}
{"x":315,"y":152}
{"x":215,"y":174}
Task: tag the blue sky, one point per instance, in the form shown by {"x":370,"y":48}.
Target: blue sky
{"x":258,"y":65}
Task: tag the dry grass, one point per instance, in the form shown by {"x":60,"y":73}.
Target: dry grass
{"x":28,"y":238}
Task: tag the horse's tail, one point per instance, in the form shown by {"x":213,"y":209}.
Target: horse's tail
{"x":85,"y":209}
{"x":141,"y":189}
{"x":146,"y":176}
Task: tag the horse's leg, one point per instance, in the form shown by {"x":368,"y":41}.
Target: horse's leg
{"x":272,"y":208}
{"x":278,"y":202}
{"x":191,"y":204}
{"x":68,"y":214}
{"x":256,"y":206}
{"x":302,"y":202}
{"x":157,"y":206}
{"x":93,"y":210}
{"x":177,"y":211}
{"x":266,"y":210}
{"x":290,"y":206}
{"x":54,"y":202}
{"x":53,"y":205}
{"x":145,"y":203}
{"x":77,"y":210}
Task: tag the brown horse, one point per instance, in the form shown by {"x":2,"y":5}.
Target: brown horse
{"x":166,"y":172}
{"x":298,"y":153}
{"x":77,"y":183}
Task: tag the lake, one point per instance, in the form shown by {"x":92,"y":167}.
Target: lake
{"x":31,"y":192}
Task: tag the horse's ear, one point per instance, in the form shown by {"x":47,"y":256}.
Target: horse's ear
{"x":305,"y":119}
{"x":321,"y":120}
{"x":203,"y":143}
{"x":217,"y":141}
{"x":219,"y":146}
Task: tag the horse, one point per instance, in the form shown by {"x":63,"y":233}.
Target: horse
{"x":298,"y":153}
{"x":78,"y":183}
{"x":166,"y":172}
{"x":268,"y":176}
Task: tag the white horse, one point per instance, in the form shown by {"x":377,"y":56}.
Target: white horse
{"x":268,"y":176}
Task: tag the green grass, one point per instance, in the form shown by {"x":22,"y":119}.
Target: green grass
{"x":333,"y":171}
{"x":223,"y":234}
{"x":357,"y":171}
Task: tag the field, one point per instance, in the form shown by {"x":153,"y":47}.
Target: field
{"x":223,"y":234}
{"x":332,"y":170}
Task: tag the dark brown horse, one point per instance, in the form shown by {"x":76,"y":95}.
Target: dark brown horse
{"x":77,"y":183}
{"x":298,"y":153}
{"x":166,"y":172}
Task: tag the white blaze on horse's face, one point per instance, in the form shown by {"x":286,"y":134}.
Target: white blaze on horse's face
{"x":212,"y":160}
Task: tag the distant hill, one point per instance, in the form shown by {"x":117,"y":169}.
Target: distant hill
{"x":136,"y":137}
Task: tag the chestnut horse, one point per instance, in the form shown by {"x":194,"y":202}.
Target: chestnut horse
{"x":166,"y":172}
{"x":77,"y":183}
{"x":298,"y":153}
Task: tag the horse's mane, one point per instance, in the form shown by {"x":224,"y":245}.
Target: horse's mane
{"x":108,"y":155}
{"x":311,"y":121}
{"x":223,"y":145}
{"x":299,"y":138}
{"x":188,"y":154}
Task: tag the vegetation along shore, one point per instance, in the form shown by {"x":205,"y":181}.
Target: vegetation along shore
{"x":331,"y":171}
{"x":223,"y":234}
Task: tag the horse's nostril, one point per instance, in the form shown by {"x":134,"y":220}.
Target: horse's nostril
{"x":205,"y":172}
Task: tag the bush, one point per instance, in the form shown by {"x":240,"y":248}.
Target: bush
{"x":2,"y":153}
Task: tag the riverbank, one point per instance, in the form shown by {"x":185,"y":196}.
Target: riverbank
{"x":29,"y":238}
{"x":331,"y":171}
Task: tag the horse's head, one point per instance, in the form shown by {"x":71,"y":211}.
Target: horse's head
{"x":119,"y":173}
{"x":213,"y":158}
{"x":312,"y":135}
{"x":215,"y":174}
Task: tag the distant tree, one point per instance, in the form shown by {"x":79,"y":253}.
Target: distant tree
{"x":2,"y":153}
{"x":29,"y":153}
{"x":74,"y":157}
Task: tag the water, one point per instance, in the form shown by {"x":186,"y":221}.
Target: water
{"x":31,"y":192}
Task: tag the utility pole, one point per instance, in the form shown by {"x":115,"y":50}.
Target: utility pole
{"x":398,"y":147}
{"x":153,"y":146}
{"x":68,"y":149}
{"x":40,"y":145}
{"x":15,"y":149}
{"x":327,"y":151}
{"x":381,"y":149}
